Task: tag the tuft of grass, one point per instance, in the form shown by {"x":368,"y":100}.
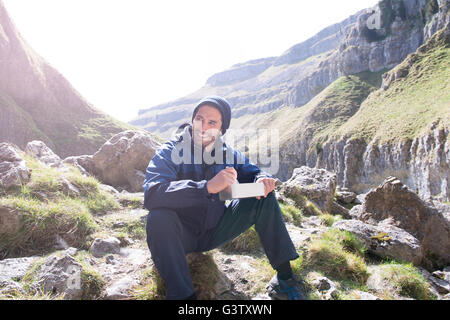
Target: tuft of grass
{"x":151,"y":287}
{"x":291,"y":214}
{"x":337,"y":254}
{"x":329,"y":219}
{"x":261,"y":276}
{"x":306,"y":207}
{"x":406,"y":280}
{"x":91,"y":281}
{"x":247,"y":242}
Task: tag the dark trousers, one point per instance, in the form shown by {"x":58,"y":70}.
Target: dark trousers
{"x":169,"y":240}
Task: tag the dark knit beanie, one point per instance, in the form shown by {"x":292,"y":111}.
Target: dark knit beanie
{"x":221,"y":104}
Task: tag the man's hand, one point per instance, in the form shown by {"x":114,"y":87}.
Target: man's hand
{"x":269,"y":185}
{"x":222,"y":180}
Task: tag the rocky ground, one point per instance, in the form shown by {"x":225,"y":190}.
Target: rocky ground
{"x":65,"y":235}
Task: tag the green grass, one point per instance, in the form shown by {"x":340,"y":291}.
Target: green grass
{"x":328,"y":219}
{"x":306,"y":207}
{"x":91,"y":281}
{"x":406,"y":281}
{"x":247,"y":242}
{"x":291,"y":214}
{"x":338,"y":255}
{"x":47,"y":210}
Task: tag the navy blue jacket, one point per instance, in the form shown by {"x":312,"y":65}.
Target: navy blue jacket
{"x":182,"y":187}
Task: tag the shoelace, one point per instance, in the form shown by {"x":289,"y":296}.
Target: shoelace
{"x":290,"y":290}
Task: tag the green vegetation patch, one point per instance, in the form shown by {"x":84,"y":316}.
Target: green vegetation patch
{"x":406,"y":281}
{"x":337,"y":254}
{"x":47,"y":209}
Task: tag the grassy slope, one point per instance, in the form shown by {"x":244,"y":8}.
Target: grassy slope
{"x":411,"y":104}
{"x":48,"y":209}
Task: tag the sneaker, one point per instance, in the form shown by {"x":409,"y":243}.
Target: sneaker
{"x":290,"y":289}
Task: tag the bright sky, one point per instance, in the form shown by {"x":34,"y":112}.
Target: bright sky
{"x":126,"y":55}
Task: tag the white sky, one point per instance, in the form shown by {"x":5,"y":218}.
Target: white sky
{"x":126,"y":55}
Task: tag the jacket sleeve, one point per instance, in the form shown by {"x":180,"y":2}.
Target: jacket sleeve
{"x":162,"y":189}
{"x":247,"y":171}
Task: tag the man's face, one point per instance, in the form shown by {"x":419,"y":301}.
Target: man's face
{"x":207,"y":125}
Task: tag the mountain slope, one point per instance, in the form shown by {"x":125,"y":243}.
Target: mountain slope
{"x":401,"y":129}
{"x":37,"y":102}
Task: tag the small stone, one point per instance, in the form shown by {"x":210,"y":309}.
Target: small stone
{"x":100,"y":247}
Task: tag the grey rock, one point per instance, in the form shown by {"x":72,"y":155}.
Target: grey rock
{"x":60,"y":275}
{"x":393,"y":202}
{"x":401,"y":245}
{"x":10,"y":288}
{"x":122,"y":160}
{"x":84,"y":163}
{"x":355,"y":212}
{"x":100,"y":247}
{"x":361,"y":295}
{"x":318,"y":185}
{"x":39,"y":150}
{"x":327,"y":288}
{"x":71,"y":251}
{"x":337,"y":209}
{"x":120,"y":289}
{"x":15,"y":268}
{"x":345,"y":196}
{"x":13,"y":169}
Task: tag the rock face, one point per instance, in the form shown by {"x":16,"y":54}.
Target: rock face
{"x":392,"y":203}
{"x":13,"y":169}
{"x":39,"y":150}
{"x":123,"y":160}
{"x":38,"y":103}
{"x":318,"y":185}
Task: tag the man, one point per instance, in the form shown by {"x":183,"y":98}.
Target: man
{"x":186,"y":214}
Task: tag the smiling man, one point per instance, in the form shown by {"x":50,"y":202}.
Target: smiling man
{"x":186,"y":214}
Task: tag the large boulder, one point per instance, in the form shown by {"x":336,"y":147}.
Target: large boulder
{"x":318,"y":185}
{"x":385,"y":241}
{"x":122,"y":160}
{"x":393,"y":203}
{"x":13,"y":169}
{"x":39,"y":150}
